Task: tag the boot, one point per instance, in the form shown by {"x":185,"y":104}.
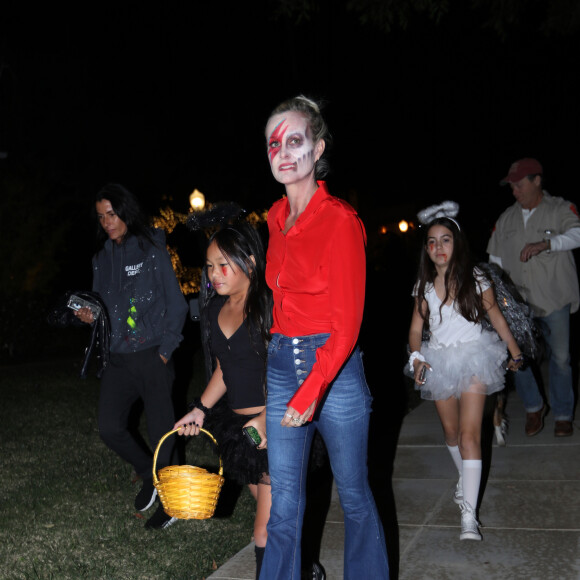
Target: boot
{"x":259,"y":557}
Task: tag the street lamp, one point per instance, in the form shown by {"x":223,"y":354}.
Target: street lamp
{"x":197,"y":200}
{"x":403,"y":226}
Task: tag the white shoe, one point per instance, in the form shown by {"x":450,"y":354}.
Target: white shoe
{"x":458,"y":493}
{"x":469,"y":523}
{"x":501,"y":432}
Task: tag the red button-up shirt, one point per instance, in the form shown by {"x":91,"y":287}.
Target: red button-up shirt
{"x":317,"y":274}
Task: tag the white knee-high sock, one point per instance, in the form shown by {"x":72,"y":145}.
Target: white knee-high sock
{"x":456,"y":456}
{"x":471,"y":480}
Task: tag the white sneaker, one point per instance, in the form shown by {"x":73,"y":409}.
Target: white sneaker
{"x":458,"y":493}
{"x":469,"y":523}
{"x":501,"y":432}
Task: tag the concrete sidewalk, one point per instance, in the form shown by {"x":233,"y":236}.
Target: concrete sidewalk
{"x":530,"y":509}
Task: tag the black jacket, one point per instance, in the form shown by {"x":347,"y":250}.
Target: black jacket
{"x":137,"y":283}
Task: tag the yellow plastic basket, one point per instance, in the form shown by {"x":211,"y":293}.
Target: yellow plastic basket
{"x":186,"y":492}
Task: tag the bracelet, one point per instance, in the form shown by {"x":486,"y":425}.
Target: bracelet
{"x":549,"y":244}
{"x":518,"y":358}
{"x":415,"y":355}
{"x":197,"y":404}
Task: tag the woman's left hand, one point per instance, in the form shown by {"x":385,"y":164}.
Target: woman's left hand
{"x":292,"y":418}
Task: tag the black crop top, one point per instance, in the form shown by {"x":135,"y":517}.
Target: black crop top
{"x":243,"y":362}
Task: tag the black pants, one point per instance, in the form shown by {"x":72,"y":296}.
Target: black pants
{"x":128,"y":378}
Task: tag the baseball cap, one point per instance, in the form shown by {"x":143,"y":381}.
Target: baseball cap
{"x":522,"y":168}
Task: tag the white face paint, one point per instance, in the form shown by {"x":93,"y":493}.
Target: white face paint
{"x":291,"y":151}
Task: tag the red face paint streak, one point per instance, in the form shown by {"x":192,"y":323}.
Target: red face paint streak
{"x":276,"y":137}
{"x":225,"y":270}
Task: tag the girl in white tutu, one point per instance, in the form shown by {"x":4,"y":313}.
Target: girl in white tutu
{"x":460,"y":363}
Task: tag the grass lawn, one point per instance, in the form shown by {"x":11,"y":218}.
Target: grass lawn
{"x":66,"y":500}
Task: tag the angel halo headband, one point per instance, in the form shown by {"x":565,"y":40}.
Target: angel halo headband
{"x":445,"y":209}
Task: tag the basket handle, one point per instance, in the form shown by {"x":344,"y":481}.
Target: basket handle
{"x":202,"y":430}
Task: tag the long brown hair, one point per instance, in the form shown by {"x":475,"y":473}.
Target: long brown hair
{"x":460,"y":281}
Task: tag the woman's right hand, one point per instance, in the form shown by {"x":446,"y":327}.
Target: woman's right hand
{"x":85,"y":315}
{"x":292,"y":418}
{"x":418,"y":366}
{"x":191,"y":423}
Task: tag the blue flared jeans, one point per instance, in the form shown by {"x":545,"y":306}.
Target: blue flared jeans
{"x":343,"y":421}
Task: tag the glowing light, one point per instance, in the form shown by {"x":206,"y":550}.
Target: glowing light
{"x":403,"y":226}
{"x":383,"y":230}
{"x":197,"y":200}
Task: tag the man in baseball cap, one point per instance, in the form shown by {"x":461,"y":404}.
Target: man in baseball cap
{"x":522,"y":168}
{"x":533,"y":241}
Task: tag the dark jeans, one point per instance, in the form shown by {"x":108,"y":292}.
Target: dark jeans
{"x":128,"y":378}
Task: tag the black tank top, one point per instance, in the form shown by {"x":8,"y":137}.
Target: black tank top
{"x":243,"y":361}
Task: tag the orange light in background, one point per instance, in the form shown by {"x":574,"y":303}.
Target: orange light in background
{"x":383,"y":230}
{"x":403,"y":226}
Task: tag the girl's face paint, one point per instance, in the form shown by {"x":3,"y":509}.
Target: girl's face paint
{"x":226,"y":279}
{"x":439,"y":244}
{"x":291,"y":151}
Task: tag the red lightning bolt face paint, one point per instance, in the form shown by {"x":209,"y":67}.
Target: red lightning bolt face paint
{"x":291,"y":151}
{"x":225,"y":279}
{"x":275,"y":140}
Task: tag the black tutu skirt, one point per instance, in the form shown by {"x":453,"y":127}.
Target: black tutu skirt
{"x":242,"y":461}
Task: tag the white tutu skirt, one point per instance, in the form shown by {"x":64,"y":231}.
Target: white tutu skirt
{"x":477,"y":367}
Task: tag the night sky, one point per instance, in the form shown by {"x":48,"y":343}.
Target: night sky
{"x":168,"y":98}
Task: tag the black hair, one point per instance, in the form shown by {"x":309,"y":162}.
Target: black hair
{"x":241,"y":245}
{"x":459,"y":278}
{"x":126,"y":206}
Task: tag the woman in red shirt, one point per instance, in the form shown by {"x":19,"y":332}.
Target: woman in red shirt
{"x":315,"y":266}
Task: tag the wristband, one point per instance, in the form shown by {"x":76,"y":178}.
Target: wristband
{"x":415,"y":355}
{"x":549,"y":244}
{"x":197,"y":404}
